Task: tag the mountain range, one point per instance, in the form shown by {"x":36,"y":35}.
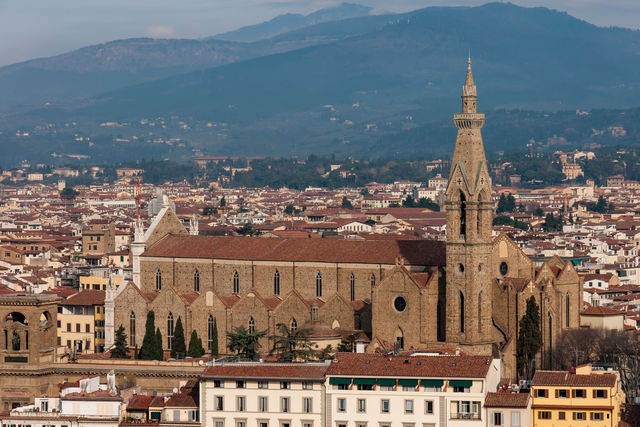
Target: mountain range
{"x":365,"y":84}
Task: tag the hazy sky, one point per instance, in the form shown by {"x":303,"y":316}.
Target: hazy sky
{"x":35,"y":28}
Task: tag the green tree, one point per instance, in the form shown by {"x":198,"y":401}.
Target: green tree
{"x":552,"y":223}
{"x":428,"y":203}
{"x":506,"y":203}
{"x":348,"y":344}
{"x":223,"y":202}
{"x":289,"y":210}
{"x":148,"y":350}
{"x":346,"y":203}
{"x":538,"y":211}
{"x":214,"y":344}
{"x":409,"y":202}
{"x":159,"y":352}
{"x":209,"y":210}
{"x":291,"y":345}
{"x":529,"y":339}
{"x":246,"y":344}
{"x":195,"y":345}
{"x":325,"y":354}
{"x":178,"y":346}
{"x":120,"y":349}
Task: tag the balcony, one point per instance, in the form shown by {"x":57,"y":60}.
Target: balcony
{"x":466,"y":416}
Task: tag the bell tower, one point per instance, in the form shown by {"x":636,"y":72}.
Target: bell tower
{"x":468,"y":205}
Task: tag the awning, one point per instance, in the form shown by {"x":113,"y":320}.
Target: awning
{"x":388,"y":382}
{"x":460,"y":383}
{"x":431,"y":383}
{"x":341,"y":381}
{"x":364,"y":381}
{"x":408,"y":382}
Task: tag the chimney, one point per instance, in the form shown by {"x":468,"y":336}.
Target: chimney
{"x":360,"y":346}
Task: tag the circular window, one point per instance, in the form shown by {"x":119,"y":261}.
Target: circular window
{"x":400,"y":303}
{"x":504,"y":268}
{"x":461,"y":268}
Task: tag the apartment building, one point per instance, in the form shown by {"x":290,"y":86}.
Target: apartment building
{"x":571,"y":398}
{"x":381,"y":390}
{"x":256,"y":394}
{"x":81,"y":322}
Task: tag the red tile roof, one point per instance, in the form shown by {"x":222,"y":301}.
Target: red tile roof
{"x":139,"y":403}
{"x":506,"y":400}
{"x":298,"y":371}
{"x":554,"y":378}
{"x":601,"y":311}
{"x":87,"y":297}
{"x":415,"y":252}
{"x":366,"y":364}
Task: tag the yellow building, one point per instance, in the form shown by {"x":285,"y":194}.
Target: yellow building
{"x":568,"y":399}
{"x":81,"y":322}
{"x":99,"y":283}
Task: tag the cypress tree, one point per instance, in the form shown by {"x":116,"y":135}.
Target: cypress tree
{"x":158,"y":352}
{"x":214,"y":344}
{"x":148,"y":349}
{"x":529,"y":339}
{"x":178,"y":347}
{"x":120,"y":350}
{"x":195,"y":345}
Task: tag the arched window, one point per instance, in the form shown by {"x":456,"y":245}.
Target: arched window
{"x":252,"y":325}
{"x":196,"y":281}
{"x":567,"y":310}
{"x":314,"y":312}
{"x":236,"y":283}
{"x":318,"y":284}
{"x":461,"y":312}
{"x":276,"y":283}
{"x":294,"y":325}
{"x":550,"y":344}
{"x":169,"y":331}
{"x":132,"y":329}
{"x":373,"y":280}
{"x":352,"y":287}
{"x":158,"y":279}
{"x":400,"y":338}
{"x":463,"y":214}
{"x":480,"y":302}
{"x":210,"y":333}
{"x":481,"y":198}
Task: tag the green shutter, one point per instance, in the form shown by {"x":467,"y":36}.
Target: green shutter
{"x":339,"y":381}
{"x":388,"y":382}
{"x":364,"y":381}
{"x":155,"y":415}
{"x":460,"y":383}
{"x":408,"y":383}
{"x":431,"y":383}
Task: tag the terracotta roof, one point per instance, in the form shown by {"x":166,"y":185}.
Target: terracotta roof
{"x":601,"y":311}
{"x":87,"y":297}
{"x":139,"y":403}
{"x":555,"y":378}
{"x":157,"y":402}
{"x":415,"y":252}
{"x":299,"y":371}
{"x":410,"y":366}
{"x":506,"y":400}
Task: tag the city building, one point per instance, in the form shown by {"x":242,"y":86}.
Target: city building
{"x":81,"y":320}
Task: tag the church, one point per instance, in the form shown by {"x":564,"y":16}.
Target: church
{"x":468,"y":292}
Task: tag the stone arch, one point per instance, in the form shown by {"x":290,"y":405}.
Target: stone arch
{"x":236,"y":283}
{"x":335,"y":324}
{"x":399,"y":337}
{"x":158,"y":279}
{"x":196,"y":281}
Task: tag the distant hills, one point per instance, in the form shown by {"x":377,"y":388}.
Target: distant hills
{"x":294,"y":21}
{"x":359,"y":86}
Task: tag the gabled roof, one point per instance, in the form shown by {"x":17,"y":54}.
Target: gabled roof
{"x":561,"y":378}
{"x":506,"y":400}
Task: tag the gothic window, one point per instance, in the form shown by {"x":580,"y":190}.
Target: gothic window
{"x":158,"y":279}
{"x":210,"y":333}
{"x":170,"y":331}
{"x":318,"y":284}
{"x":400,"y":338}
{"x":441,"y":322}
{"x":480,"y":302}
{"x":294,"y":325}
{"x":132,"y":329}
{"x":252,"y":325}
{"x":314,"y":312}
{"x":352,"y":287}
{"x":463,"y":214}
{"x":550,"y":344}
{"x":373,"y":280}
{"x":481,"y":198}
{"x":236,"y":283}
{"x":567,"y":310}
{"x":196,"y":281}
{"x":276,"y":283}
{"x":461,"y":312}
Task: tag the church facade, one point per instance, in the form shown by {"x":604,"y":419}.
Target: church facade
{"x":468,"y":292}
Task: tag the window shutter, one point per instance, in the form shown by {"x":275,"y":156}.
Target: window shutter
{"x":606,"y":394}
{"x":573,"y":394}
{"x":557,"y":393}
{"x":591,"y":413}
{"x":594,"y":394}
{"x":546,"y":393}
{"x":574,"y":415}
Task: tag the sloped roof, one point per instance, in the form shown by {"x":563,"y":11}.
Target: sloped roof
{"x":506,"y":400}
{"x":560,"y":378}
{"x":299,"y":371}
{"x":415,"y":252}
